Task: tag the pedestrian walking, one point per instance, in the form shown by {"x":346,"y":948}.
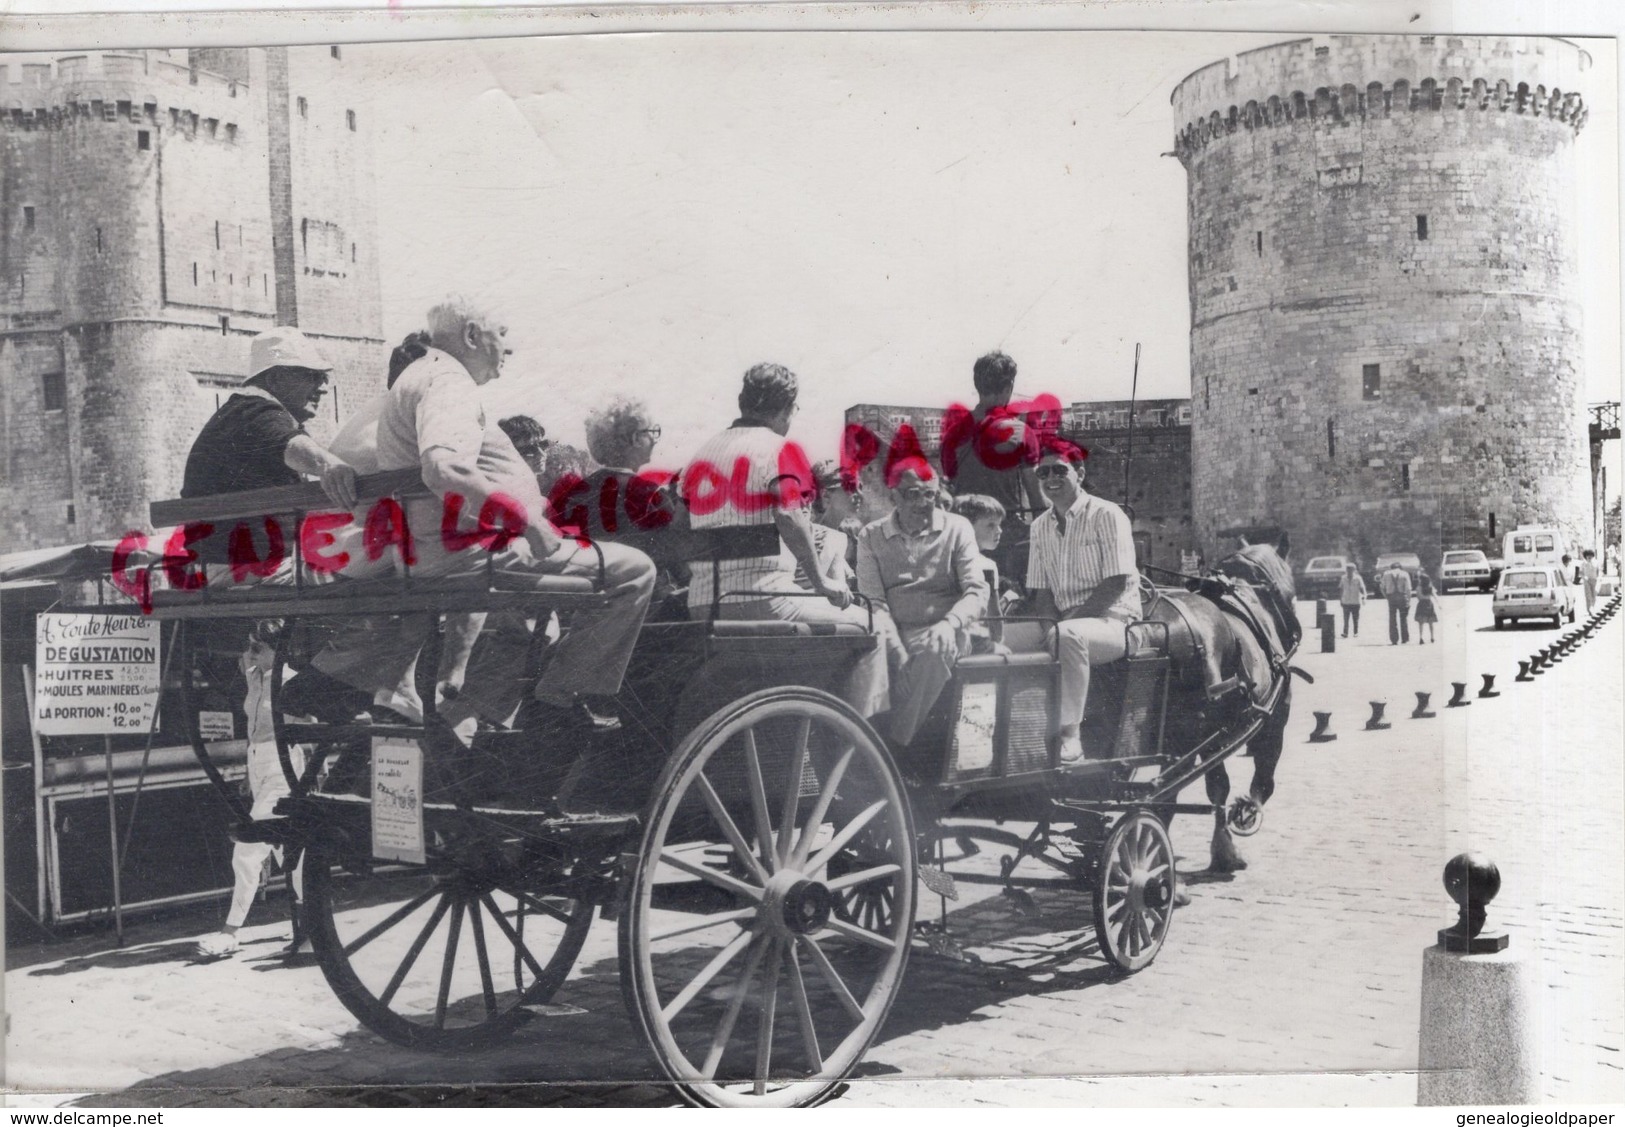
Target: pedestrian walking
{"x":1427,"y":612}
{"x":1588,"y":577}
{"x":1396,"y":588}
{"x":1351,"y":596}
{"x":266,"y":784}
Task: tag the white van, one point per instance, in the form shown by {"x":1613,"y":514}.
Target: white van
{"x":1532,"y":545}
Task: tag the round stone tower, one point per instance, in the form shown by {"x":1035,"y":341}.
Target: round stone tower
{"x":1385,"y":337}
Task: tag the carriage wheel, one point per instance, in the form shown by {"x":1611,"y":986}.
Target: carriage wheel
{"x":445,"y":955}
{"x":1135,"y":891}
{"x":751,"y":989}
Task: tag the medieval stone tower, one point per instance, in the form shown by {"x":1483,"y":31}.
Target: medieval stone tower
{"x":157,"y":209}
{"x":1385,"y":346}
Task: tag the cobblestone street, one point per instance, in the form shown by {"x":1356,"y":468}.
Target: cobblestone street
{"x":1295,"y":982}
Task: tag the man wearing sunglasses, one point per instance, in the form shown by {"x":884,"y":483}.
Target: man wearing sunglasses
{"x":1081,"y":570}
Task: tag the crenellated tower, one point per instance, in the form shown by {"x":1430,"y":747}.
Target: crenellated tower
{"x":146,"y":234}
{"x":1385,"y":331}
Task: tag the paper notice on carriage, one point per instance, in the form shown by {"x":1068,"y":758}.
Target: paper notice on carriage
{"x":973,"y":733}
{"x":397,"y":800}
{"x":98,"y":674}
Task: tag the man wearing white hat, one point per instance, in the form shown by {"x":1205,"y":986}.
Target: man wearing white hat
{"x":257,"y":438}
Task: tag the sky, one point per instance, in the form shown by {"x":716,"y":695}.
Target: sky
{"x":653,"y":213}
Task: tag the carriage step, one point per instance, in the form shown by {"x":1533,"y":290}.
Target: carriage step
{"x":940,"y":882}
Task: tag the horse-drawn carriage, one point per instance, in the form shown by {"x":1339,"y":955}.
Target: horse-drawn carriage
{"x":758,"y":844}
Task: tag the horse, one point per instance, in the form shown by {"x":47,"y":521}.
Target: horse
{"x":1232,"y":634}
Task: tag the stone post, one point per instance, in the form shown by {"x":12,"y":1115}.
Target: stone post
{"x":1480,"y":1038}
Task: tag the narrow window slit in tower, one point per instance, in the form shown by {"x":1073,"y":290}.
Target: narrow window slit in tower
{"x":304,"y":106}
{"x":225,"y":324}
{"x":1371,"y":381}
{"x":1207,"y":391}
{"x":194,"y":273}
{"x":1421,"y":228}
{"x":143,"y":140}
{"x":54,"y":391}
{"x":1492,"y":524}
{"x":349,"y":118}
{"x":1405,"y":476}
{"x":1331,"y":438}
{"x":1258,"y":237}
{"x":217,"y":234}
{"x":98,"y":240}
{"x":28,"y":218}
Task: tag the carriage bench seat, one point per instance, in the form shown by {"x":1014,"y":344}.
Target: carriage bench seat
{"x":391,"y":594}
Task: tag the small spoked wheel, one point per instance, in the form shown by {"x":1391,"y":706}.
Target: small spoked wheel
{"x":445,"y":955}
{"x":1134,"y":894}
{"x":769,"y":913}
{"x":1245,"y":816}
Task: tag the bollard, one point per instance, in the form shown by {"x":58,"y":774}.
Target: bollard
{"x":1458,"y":695}
{"x":1523,"y":672}
{"x":1422,"y":711}
{"x":1328,"y":634}
{"x":1320,"y":735}
{"x":1489,"y":690}
{"x":1377,"y":723}
{"x":1321,"y":612}
{"x":1480,"y":1034}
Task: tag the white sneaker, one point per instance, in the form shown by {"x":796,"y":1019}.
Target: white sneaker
{"x":1071,"y":749}
{"x":218,"y":945}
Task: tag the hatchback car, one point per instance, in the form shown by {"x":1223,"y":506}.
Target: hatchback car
{"x":1534,"y":592}
{"x":1465,"y":570}
{"x":1322,"y":577}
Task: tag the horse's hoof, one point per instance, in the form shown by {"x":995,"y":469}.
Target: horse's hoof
{"x":1225,"y":858}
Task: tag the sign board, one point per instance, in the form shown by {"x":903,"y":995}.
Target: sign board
{"x":397,"y":799}
{"x":214,"y":726}
{"x":98,"y":674}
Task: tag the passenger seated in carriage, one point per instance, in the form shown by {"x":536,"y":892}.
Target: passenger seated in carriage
{"x":834,"y":537}
{"x":1081,"y":570}
{"x":750,"y":477}
{"x":920,"y":565}
{"x":986,"y":518}
{"x":432,"y":420}
{"x":624,"y":502}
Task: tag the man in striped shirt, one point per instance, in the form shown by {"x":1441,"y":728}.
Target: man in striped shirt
{"x":751,"y":477}
{"x":1081,"y":570}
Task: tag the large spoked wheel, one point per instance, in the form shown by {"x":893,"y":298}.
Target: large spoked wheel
{"x":1134,"y":894}
{"x":446,"y":955}
{"x":776,"y":815}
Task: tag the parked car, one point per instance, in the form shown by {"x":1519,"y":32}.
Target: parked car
{"x":1533,"y":592}
{"x":1410,"y":561}
{"x":1322,"y":577}
{"x":1465,"y":569}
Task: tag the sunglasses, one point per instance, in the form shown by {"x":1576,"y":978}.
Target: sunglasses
{"x":652,"y":432}
{"x":1054,"y":469}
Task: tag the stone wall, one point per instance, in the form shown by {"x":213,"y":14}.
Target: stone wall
{"x":138,"y":258}
{"x":1385,"y":345}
